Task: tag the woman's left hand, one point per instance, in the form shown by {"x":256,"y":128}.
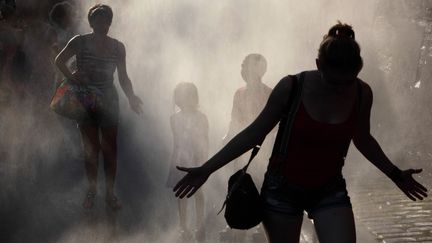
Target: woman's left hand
{"x":408,"y":185}
{"x":135,"y":104}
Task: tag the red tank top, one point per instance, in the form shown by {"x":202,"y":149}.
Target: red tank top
{"x":316,"y":150}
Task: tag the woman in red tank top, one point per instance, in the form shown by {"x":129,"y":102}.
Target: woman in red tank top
{"x":335,"y":109}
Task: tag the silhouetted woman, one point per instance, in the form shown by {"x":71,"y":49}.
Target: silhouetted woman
{"x":98,"y":56}
{"x":335,"y":109}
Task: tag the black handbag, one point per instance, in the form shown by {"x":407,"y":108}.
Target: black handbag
{"x":243,"y":204}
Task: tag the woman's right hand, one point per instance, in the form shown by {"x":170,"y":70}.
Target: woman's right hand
{"x":191,"y":182}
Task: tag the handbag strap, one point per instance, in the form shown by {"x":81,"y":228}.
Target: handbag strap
{"x":287,"y":119}
{"x":253,"y":154}
{"x":288,"y":115}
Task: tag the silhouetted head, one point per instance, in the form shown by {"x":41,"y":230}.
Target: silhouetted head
{"x":62,"y":14}
{"x":186,"y":96}
{"x":253,"y":68}
{"x":100,"y":18}
{"x":339,"y":57}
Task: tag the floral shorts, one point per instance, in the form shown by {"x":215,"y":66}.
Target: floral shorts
{"x":107,"y":114}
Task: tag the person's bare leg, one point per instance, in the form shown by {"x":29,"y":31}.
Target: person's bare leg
{"x":335,"y":225}
{"x":182,"y":208}
{"x":90,"y":142}
{"x":185,"y":233}
{"x":109,"y":150}
{"x":281,"y":228}
{"x":199,"y":209}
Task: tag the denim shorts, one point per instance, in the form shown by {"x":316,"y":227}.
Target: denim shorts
{"x":280,"y":196}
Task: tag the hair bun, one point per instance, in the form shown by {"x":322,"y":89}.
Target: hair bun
{"x":341,"y":30}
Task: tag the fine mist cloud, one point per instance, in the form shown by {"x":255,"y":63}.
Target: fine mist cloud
{"x":173,"y":41}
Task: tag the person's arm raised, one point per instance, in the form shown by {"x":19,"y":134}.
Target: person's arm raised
{"x":253,"y":135}
{"x":370,"y":148}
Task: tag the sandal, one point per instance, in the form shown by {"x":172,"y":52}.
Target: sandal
{"x":113,"y":203}
{"x":89,"y":200}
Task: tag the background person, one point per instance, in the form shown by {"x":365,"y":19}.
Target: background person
{"x":98,"y":56}
{"x":189,"y":127}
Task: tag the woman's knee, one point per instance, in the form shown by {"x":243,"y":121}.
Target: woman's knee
{"x":109,"y":141}
{"x":91,"y":152}
{"x":90,"y":140}
{"x":109,"y":148}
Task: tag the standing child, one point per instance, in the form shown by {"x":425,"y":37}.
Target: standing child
{"x":190,"y":135}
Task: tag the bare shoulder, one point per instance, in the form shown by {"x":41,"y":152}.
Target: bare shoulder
{"x":240,"y":90}
{"x":282,"y":90}
{"x":366,"y":97}
{"x":266,"y":88}
{"x":83,"y":37}
{"x":117,"y":44}
{"x":74,"y":41}
{"x":286,"y":82}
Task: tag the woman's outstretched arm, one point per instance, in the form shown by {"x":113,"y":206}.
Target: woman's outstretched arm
{"x":125,"y":83}
{"x":253,"y":135}
{"x":370,"y":148}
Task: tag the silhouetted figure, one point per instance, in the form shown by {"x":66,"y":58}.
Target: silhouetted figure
{"x":11,"y":38}
{"x":63,"y":19}
{"x":98,"y":56}
{"x":247,"y":103}
{"x":190,"y":136}
{"x":12,"y":89}
{"x":334,"y":109}
{"x":249,"y":100}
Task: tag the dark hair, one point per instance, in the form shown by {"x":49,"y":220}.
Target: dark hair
{"x":186,"y":94}
{"x":60,"y":11}
{"x":339,"y":51}
{"x":100,"y":10}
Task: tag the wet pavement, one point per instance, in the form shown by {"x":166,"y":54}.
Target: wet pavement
{"x":386,"y":214}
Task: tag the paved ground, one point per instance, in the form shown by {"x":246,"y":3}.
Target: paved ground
{"x":388,"y":215}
